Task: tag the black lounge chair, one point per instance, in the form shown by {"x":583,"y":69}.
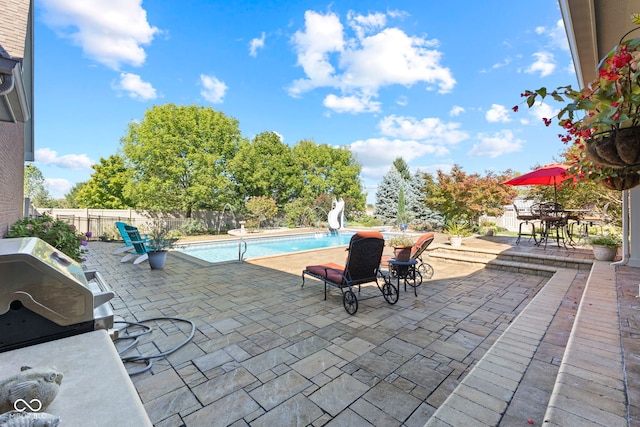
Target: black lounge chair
{"x":363,"y":266}
{"x":412,"y":273}
{"x":417,"y":252}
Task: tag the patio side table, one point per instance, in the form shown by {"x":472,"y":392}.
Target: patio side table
{"x":405,"y":271}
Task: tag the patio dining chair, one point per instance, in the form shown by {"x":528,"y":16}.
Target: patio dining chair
{"x":527,"y":218}
{"x":555,"y":223}
{"x":362,"y":266}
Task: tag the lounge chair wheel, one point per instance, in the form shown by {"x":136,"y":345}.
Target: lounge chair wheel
{"x":350,"y":302}
{"x":390,"y":293}
{"x":426,"y":270}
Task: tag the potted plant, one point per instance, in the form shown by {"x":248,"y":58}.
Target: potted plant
{"x":456,"y":231}
{"x":602,"y":120}
{"x":159,"y":242}
{"x":402,"y":245}
{"x":605,"y":247}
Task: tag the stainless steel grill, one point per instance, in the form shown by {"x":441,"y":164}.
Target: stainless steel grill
{"x":45,"y":295}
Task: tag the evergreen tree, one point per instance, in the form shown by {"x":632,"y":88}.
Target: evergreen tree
{"x":387,"y":197}
{"x":416,"y":203}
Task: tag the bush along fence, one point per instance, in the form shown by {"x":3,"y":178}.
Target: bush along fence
{"x":101,"y":222}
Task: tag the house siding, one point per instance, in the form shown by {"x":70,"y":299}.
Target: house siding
{"x":14,"y":38}
{"x":11,"y":174}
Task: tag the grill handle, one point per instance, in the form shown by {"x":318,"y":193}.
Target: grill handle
{"x":101,"y":291}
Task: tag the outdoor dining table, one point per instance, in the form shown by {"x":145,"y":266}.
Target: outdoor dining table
{"x":554,"y":217}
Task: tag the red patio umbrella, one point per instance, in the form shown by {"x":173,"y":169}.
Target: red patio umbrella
{"x":552,"y":174}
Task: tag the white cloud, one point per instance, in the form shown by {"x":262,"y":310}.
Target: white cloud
{"x":497,"y":113}
{"x":48,"y":156}
{"x":350,"y":104}
{"x":58,"y":187}
{"x":558,"y":36}
{"x":496,"y":145}
{"x":374,"y":57}
{"x":366,"y":24}
{"x":544,"y":64}
{"x":402,"y":101}
{"x":322,"y":36}
{"x":135,"y":87}
{"x":541,"y":110}
{"x":213,"y":89}
{"x":375,"y":153}
{"x":255,"y":44}
{"x":111,"y":32}
{"x":456,"y":111}
{"x":431,"y":130}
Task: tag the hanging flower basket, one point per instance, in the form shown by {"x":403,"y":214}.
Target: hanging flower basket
{"x":618,"y":148}
{"x":624,"y":181}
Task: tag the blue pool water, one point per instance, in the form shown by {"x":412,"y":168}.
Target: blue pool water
{"x":264,"y":246}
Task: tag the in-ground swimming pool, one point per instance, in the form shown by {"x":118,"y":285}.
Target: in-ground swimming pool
{"x":264,"y":246}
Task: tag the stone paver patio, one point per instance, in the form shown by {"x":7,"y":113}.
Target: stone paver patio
{"x":267,"y":352}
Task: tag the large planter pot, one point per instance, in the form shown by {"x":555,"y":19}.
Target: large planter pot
{"x":624,"y":181}
{"x":157,"y":259}
{"x":604,"y":253}
{"x":616,"y":149}
{"x":402,"y":253}
{"x":455,"y":240}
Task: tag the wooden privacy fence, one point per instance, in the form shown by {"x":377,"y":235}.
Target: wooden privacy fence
{"x":101,"y":222}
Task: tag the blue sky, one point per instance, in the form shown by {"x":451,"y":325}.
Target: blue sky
{"x":433,"y":82}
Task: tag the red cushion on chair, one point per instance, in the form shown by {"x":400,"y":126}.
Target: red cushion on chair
{"x":331,"y":275}
{"x":385,"y":260}
{"x":367,"y":234}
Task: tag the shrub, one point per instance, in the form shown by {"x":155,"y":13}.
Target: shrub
{"x":401,"y":240}
{"x":58,"y":234}
{"x":453,"y":228}
{"x":608,"y":240}
{"x":193,"y":227}
{"x":368,"y":221}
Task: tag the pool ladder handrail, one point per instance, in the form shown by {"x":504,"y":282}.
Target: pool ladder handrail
{"x":240,"y":251}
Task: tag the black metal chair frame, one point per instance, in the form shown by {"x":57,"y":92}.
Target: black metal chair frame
{"x":527,"y":219}
{"x":554,"y":218}
{"x":362,"y":266}
{"x":412,"y":271}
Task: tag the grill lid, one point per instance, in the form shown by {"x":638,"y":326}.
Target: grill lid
{"x":47,"y":282}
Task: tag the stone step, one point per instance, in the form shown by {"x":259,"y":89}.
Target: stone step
{"x":484,"y":394}
{"x":509,"y":260}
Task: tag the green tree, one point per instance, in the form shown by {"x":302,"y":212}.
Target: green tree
{"x":403,"y":168}
{"x":403,"y":215}
{"x":70,"y":200}
{"x":416,"y":205}
{"x":265,"y":167}
{"x":35,"y":186}
{"x":262,"y":208}
{"x":105,"y":188}
{"x":574,"y":194}
{"x":326,"y":169}
{"x":387,"y":196}
{"x":178,"y":156}
{"x":461,"y":196}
